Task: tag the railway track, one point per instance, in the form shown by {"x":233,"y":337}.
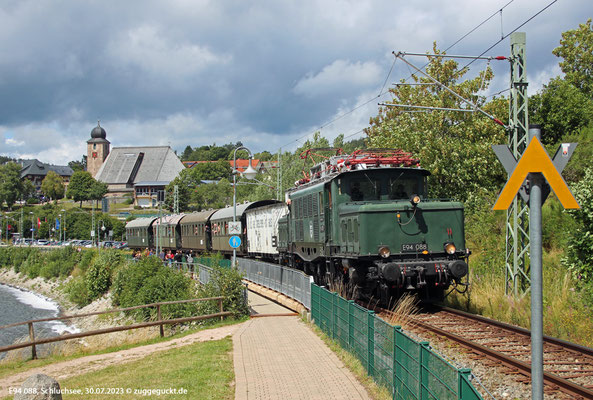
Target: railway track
{"x":568,"y":368}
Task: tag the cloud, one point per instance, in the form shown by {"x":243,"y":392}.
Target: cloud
{"x":148,"y":49}
{"x":339,"y":77}
{"x":265,"y":73}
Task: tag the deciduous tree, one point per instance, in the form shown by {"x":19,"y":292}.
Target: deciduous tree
{"x":561,"y":109}
{"x":454,"y":146}
{"x":576,"y":50}
{"x":10,"y":183}
{"x":80,"y":186}
{"x":53,"y":186}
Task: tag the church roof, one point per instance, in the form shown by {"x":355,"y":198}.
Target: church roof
{"x":98,"y":135}
{"x":130,"y":165}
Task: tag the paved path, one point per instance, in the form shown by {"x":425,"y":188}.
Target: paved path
{"x":281,"y":358}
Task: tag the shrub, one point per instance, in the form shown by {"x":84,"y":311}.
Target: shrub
{"x":148,"y":281}
{"x":77,"y":291}
{"x":98,"y":274}
{"x":226,"y":282}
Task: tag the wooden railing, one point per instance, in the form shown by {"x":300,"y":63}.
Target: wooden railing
{"x":160,"y":322}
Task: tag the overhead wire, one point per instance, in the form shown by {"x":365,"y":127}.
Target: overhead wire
{"x":381,"y":93}
{"x":510,"y":33}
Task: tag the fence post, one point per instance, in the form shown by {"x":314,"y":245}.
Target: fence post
{"x":350,"y":324}
{"x":371,"y":343}
{"x":396,"y":331}
{"x":466,"y":390}
{"x":422,"y":375}
{"x":158,"y":317}
{"x":32,"y":339}
{"x":334,"y":314}
{"x":220,"y":308}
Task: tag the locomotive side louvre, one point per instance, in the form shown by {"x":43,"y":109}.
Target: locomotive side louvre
{"x":139,"y":233}
{"x":195,"y":231}
{"x":306,"y":226}
{"x":262,"y":229}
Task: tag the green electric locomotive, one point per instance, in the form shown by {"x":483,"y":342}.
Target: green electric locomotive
{"x":365,"y":219}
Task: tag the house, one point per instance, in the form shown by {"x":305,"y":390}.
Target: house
{"x":35,"y":171}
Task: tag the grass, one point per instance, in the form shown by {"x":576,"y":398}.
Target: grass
{"x":566,"y":315}
{"x":13,"y":367}
{"x":203,"y":371}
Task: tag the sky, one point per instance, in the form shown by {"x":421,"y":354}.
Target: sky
{"x":267,"y":73}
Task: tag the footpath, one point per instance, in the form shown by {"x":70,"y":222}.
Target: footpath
{"x":279,"y":357}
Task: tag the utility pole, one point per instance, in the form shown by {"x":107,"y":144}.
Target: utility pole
{"x":93,"y":222}
{"x":517,"y":223}
{"x":176,"y":199}
{"x":279,"y":177}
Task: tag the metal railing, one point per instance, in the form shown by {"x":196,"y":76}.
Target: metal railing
{"x":159,"y":321}
{"x":288,"y":281}
{"x":409,"y":369}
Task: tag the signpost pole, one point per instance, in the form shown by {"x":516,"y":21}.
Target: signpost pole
{"x":536,"y":181}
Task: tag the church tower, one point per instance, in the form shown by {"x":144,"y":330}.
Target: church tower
{"x":97,"y":149}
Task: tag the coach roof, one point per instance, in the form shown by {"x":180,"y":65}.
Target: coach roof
{"x":241,"y":208}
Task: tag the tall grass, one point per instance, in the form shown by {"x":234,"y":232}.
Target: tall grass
{"x":567,"y":315}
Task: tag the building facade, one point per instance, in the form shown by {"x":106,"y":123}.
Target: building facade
{"x":97,"y":150}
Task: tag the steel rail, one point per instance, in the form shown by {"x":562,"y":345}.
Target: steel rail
{"x":525,"y":368}
{"x":517,"y":329}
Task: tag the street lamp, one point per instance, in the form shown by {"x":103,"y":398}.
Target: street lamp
{"x":64,"y":224}
{"x":249,"y":173}
{"x":32,"y":231}
{"x":59,"y":228}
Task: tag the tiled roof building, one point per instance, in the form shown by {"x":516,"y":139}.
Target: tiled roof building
{"x":35,"y":171}
{"x":126,"y":166}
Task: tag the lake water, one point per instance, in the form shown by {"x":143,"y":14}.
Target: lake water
{"x":18,"y":305}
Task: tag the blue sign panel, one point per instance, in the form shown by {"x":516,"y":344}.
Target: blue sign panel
{"x":235,"y":241}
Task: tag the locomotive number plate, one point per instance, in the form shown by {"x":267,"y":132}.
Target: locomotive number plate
{"x":414,"y":247}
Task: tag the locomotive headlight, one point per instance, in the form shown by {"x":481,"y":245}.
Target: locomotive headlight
{"x":415,"y":200}
{"x":384,"y":251}
{"x":450,"y":248}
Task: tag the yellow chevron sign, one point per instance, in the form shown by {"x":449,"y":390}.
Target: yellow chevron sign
{"x":535,"y":159}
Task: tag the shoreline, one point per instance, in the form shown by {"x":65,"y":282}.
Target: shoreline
{"x":39,"y":286}
{"x":53,"y":291}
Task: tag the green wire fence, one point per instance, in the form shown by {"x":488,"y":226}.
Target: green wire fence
{"x":410,"y":369}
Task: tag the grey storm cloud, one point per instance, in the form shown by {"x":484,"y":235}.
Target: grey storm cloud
{"x":196,"y":72}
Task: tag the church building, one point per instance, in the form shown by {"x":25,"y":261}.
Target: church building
{"x":140,"y":171}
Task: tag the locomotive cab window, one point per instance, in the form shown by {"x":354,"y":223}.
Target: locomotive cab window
{"x":364,"y":186}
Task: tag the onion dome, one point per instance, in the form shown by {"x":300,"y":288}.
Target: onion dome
{"x":98,"y":132}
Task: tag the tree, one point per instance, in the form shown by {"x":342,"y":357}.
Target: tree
{"x":185,"y":182}
{"x":53,"y":186}
{"x":454,"y":146}
{"x":214,"y":195}
{"x":576,"y":48}
{"x":561,"y":109}
{"x":80,"y":186}
{"x":27,"y":189}
{"x":78,"y":165}
{"x":185,"y":156}
{"x":10,"y":183}
{"x":580,"y":249}
{"x":98,"y":190}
